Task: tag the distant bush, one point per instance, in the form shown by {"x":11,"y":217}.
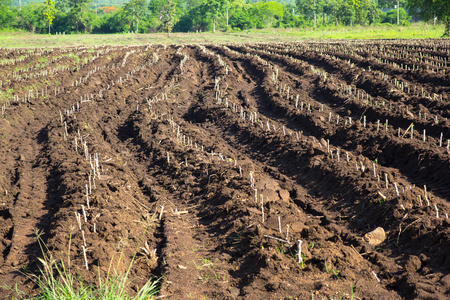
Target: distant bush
{"x":391,"y":17}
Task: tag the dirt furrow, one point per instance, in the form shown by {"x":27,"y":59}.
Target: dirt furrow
{"x":338,"y":137}
{"x":245,"y":139}
{"x":195,"y":164}
{"x":31,"y":199}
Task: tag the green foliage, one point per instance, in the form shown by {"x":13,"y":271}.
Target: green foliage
{"x":73,"y":16}
{"x":214,"y":9}
{"x":49,"y":12}
{"x":391,"y":17}
{"x":135,"y":11}
{"x":242,"y":20}
{"x":430,"y":9}
{"x":290,"y":20}
{"x":154,"y":8}
{"x":79,"y":16}
{"x":63,"y":5}
{"x":194,"y":20}
{"x":168,"y":16}
{"x":269,"y":12}
{"x":391,"y":3}
{"x":32,"y":18}
{"x":6,"y":14}
{"x":346,"y":13}
{"x":308,"y":7}
{"x":112,"y":23}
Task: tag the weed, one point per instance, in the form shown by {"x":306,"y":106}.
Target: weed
{"x":204,"y":278}
{"x":343,"y":293}
{"x":280,"y":249}
{"x":25,"y":269}
{"x":56,"y":280}
{"x":294,"y":256}
{"x":220,"y":277}
{"x":236,"y":239}
{"x":335,"y":273}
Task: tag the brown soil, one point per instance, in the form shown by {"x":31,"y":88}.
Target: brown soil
{"x":211,"y":162}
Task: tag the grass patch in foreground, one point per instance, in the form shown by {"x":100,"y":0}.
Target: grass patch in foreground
{"x":416,"y":30}
{"x":57,"y":282}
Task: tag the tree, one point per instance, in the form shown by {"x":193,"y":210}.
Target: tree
{"x":241,"y":19}
{"x":332,"y":8}
{"x":270,"y":12}
{"x":431,"y":9}
{"x":168,"y":16}
{"x":108,"y":10}
{"x":112,"y":22}
{"x":154,"y":9}
{"x":310,"y":8}
{"x":391,"y":17}
{"x":49,"y":12}
{"x":79,"y":15}
{"x":290,"y":20}
{"x":134,"y":11}
{"x":63,"y":5}
{"x":32,"y":18}
{"x":346,"y":13}
{"x":366,"y":11}
{"x":215,"y":9}
{"x":6,"y":15}
{"x":187,"y":5}
{"x":196,"y":19}
{"x":391,"y":3}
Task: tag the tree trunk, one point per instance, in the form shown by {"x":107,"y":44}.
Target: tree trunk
{"x":315,"y":24}
{"x":214,"y":24}
{"x":137,"y":26}
{"x":447,"y":27}
{"x":49,"y":28}
{"x":227,"y":17}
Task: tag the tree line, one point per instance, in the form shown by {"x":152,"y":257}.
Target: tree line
{"x":143,"y":16}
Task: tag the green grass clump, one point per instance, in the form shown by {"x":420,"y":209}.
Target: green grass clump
{"x":56,"y":281}
{"x":6,"y":94}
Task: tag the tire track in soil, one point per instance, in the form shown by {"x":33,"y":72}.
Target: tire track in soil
{"x":188,"y":245}
{"x":32,"y":200}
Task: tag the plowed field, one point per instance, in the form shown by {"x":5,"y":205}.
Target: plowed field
{"x":214,"y":164}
